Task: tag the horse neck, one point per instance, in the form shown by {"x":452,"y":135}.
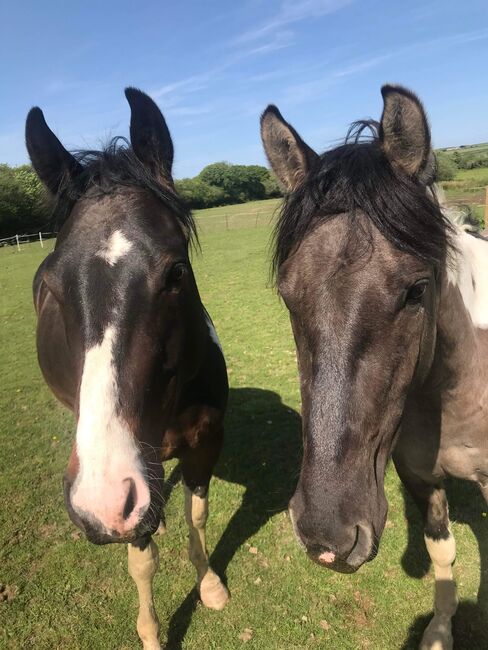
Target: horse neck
{"x":459,"y":366}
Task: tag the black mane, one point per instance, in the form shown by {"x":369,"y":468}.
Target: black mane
{"x":357,"y":176}
{"x":115,"y":165}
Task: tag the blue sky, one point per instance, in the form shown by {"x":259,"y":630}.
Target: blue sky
{"x":213,"y":65}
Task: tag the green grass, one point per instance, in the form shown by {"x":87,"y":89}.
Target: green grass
{"x":67,"y":593}
{"x":468,"y":187}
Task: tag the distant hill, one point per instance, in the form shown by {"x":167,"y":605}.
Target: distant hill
{"x":480,"y":145}
{"x":467,"y":156}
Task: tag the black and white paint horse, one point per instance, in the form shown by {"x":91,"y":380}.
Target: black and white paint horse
{"x":124,"y":342}
{"x":389,"y":308}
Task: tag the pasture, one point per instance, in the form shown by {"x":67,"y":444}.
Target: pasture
{"x":468,"y":187}
{"x":58,"y":591}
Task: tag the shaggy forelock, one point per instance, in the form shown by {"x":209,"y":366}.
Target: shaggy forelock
{"x":114,"y":166}
{"x":357,"y":177}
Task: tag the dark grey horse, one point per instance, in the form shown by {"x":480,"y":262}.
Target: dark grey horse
{"x":389,"y":308}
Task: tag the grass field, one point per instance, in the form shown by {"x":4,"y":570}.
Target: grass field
{"x":61,"y":592}
{"x":468,"y":187}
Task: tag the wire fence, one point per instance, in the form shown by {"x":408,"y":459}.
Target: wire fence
{"x":234,"y":220}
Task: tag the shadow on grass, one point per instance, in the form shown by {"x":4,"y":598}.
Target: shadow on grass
{"x":470,"y":624}
{"x":262,"y":452}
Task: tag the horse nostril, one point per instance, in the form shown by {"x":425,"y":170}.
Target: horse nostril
{"x":131,"y":499}
{"x":327,"y":557}
{"x":363,"y":545}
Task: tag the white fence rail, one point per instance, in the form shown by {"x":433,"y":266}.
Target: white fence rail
{"x":17,"y":240}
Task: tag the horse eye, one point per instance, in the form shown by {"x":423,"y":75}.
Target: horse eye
{"x":175,"y":276}
{"x":416,"y":292}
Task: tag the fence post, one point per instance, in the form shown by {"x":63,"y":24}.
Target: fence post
{"x":40,"y":240}
{"x":17,"y":240}
{"x":226,"y":222}
{"x":256,"y":224}
{"x":486,"y":206}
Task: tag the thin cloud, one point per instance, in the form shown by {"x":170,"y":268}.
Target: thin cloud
{"x":172,"y":94}
{"x":57,"y":86}
{"x":292,"y":11}
{"x":455,"y":39}
{"x":359,"y":66}
{"x":310,"y":90}
{"x":190,"y":111}
{"x":281,"y":40}
{"x":190,"y":84}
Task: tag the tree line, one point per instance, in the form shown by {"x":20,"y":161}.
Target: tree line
{"x":24,"y":206}
{"x":224,"y":184}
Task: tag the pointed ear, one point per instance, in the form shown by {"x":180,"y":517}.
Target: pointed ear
{"x":288,"y":155}
{"x":149,"y":134}
{"x":48,"y":156}
{"x":404,"y":130}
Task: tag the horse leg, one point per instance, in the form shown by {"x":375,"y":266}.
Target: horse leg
{"x":143,"y":564}
{"x":205,"y":437}
{"x":212,"y":592}
{"x":441,"y":546}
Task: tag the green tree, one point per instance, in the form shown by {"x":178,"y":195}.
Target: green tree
{"x":216,"y":174}
{"x":272,"y":187}
{"x":23,"y":205}
{"x":446,"y":167}
{"x":198,"y":194}
{"x":239,"y":182}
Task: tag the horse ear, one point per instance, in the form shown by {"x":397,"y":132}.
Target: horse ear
{"x":289,"y":156}
{"x":49,"y":158}
{"x":404,"y":130}
{"x":149,"y":135}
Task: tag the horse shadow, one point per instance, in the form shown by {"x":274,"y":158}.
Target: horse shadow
{"x":262,"y":451}
{"x":466,"y":505}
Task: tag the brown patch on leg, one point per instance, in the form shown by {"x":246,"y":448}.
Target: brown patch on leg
{"x":143,"y":565}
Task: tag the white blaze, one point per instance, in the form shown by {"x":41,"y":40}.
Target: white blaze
{"x":106,"y":448}
{"x":116,"y":246}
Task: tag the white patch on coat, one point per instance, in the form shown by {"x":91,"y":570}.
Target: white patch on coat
{"x":116,"y":246}
{"x":108,"y":455}
{"x":212,"y":332}
{"x":469,"y":272}
{"x":442,"y":551}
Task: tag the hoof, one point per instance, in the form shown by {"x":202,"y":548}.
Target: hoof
{"x":151,"y":645}
{"x":213,"y":593}
{"x":437,"y":635}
